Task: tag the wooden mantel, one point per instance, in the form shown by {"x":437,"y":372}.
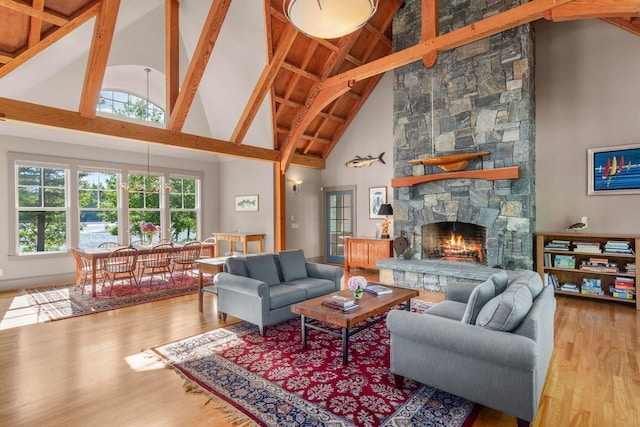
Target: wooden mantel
{"x":511,"y":172}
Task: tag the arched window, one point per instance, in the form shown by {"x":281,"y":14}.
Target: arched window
{"x":128,"y":105}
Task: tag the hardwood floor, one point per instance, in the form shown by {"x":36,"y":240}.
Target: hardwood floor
{"x":89,"y":370}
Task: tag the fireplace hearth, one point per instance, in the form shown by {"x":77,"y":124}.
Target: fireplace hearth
{"x":455,"y":241}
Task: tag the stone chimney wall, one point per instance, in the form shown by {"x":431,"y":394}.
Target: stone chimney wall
{"x":479,"y":97}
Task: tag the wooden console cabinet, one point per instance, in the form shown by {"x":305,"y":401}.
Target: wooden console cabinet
{"x":363,"y":252}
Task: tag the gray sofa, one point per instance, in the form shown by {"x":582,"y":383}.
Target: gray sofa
{"x":489,"y":343}
{"x":261,"y":289}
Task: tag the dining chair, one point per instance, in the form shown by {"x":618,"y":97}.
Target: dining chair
{"x":187,"y":256}
{"x":83,"y":270}
{"x":121,"y":262}
{"x":158,"y":259}
{"x":109,"y":245}
{"x":206,"y":252}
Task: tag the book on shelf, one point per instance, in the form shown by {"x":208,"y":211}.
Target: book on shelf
{"x":558,"y":245}
{"x":564,"y":261}
{"x":623,"y":295}
{"x":597,"y":292}
{"x":570,"y":287}
{"x":591,"y":283}
{"x":625,"y":282}
{"x":378,"y":289}
{"x":547,"y":259}
{"x":618,"y":247}
{"x":590,"y":247}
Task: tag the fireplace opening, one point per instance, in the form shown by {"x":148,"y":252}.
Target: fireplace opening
{"x":455,"y":241}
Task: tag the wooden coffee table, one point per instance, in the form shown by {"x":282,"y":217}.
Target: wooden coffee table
{"x":312,"y":311}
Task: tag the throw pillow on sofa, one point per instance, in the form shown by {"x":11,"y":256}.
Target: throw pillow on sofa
{"x":293,"y":264}
{"x":263,"y":268}
{"x":237,"y":266}
{"x":500,"y":281}
{"x":480,"y":295}
{"x":506,"y":311}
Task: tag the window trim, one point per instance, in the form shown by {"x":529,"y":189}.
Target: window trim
{"x":73,"y":165}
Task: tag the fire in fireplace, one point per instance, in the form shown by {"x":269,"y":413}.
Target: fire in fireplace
{"x":454,"y":241}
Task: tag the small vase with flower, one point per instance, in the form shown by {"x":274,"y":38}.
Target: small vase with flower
{"x":357,"y":284}
{"x":147,"y":230}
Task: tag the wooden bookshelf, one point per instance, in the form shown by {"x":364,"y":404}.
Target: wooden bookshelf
{"x":576,"y":275}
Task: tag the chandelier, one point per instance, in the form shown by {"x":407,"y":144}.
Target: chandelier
{"x":138,"y":186}
{"x":329,"y":19}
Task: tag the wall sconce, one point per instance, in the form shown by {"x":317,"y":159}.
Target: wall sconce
{"x":297,"y":184}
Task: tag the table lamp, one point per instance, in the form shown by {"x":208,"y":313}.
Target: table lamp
{"x":386,"y":210}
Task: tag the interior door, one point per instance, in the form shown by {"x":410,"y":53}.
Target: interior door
{"x":339,"y":223}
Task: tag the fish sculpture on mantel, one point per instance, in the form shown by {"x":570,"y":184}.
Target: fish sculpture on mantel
{"x":360,"y":162}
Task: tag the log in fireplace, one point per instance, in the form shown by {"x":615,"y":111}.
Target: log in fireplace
{"x":455,"y":241}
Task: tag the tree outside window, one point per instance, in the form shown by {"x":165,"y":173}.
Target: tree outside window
{"x":183,"y":209}
{"x":144,"y":204}
{"x":41,"y":209}
{"x":128,"y":105}
{"x":98,"y":204}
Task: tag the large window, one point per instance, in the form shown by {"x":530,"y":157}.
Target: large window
{"x":183,"y":208}
{"x":126,"y":104}
{"x":144,"y":204}
{"x":62,"y":203}
{"x":41,"y":208}
{"x":98,"y":207}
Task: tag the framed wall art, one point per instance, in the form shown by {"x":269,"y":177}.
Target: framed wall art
{"x":377,"y":196}
{"x":613,"y":170}
{"x":246,"y":203}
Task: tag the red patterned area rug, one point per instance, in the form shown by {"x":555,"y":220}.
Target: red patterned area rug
{"x":63,"y":302}
{"x":274,"y":382}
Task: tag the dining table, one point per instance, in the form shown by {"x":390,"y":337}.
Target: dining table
{"x":97,"y":254}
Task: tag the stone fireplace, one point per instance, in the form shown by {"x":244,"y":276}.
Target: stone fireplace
{"x":478,"y":97}
{"x":454,"y":241}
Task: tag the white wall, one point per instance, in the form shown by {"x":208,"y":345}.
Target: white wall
{"x":370,"y":133}
{"x":37,"y":270}
{"x":303,"y":220}
{"x":587,"y":96}
{"x":246,"y":177}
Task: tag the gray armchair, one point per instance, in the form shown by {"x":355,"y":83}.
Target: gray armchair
{"x":261,"y":289}
{"x":489,"y":343}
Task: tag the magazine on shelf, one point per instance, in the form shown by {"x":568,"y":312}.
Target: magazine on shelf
{"x":378,"y":289}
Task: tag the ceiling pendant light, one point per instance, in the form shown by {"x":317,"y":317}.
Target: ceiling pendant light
{"x":329,"y":19}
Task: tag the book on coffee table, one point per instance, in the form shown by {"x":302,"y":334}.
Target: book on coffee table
{"x":378,"y":289}
{"x":339,"y":302}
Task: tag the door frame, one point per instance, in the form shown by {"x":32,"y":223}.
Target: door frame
{"x":324,"y":191}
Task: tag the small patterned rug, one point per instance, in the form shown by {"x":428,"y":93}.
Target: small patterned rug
{"x":63,"y":302}
{"x":273,"y":382}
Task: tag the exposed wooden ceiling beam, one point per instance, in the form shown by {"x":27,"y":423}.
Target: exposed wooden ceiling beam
{"x":5,"y":57}
{"x":98,"y":56}
{"x":585,"y":9}
{"x":306,"y":114}
{"x":35,"y":24}
{"x":430,"y":25}
{"x":285,"y":130}
{"x":519,"y":15}
{"x":201,"y":55}
{"x":300,"y":71}
{"x":264,"y":84}
{"x":26,"y":112}
{"x":172,"y":53}
{"x":625,"y":24}
{"x":80,"y":18}
{"x":297,"y":104}
{"x":28,"y":9}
